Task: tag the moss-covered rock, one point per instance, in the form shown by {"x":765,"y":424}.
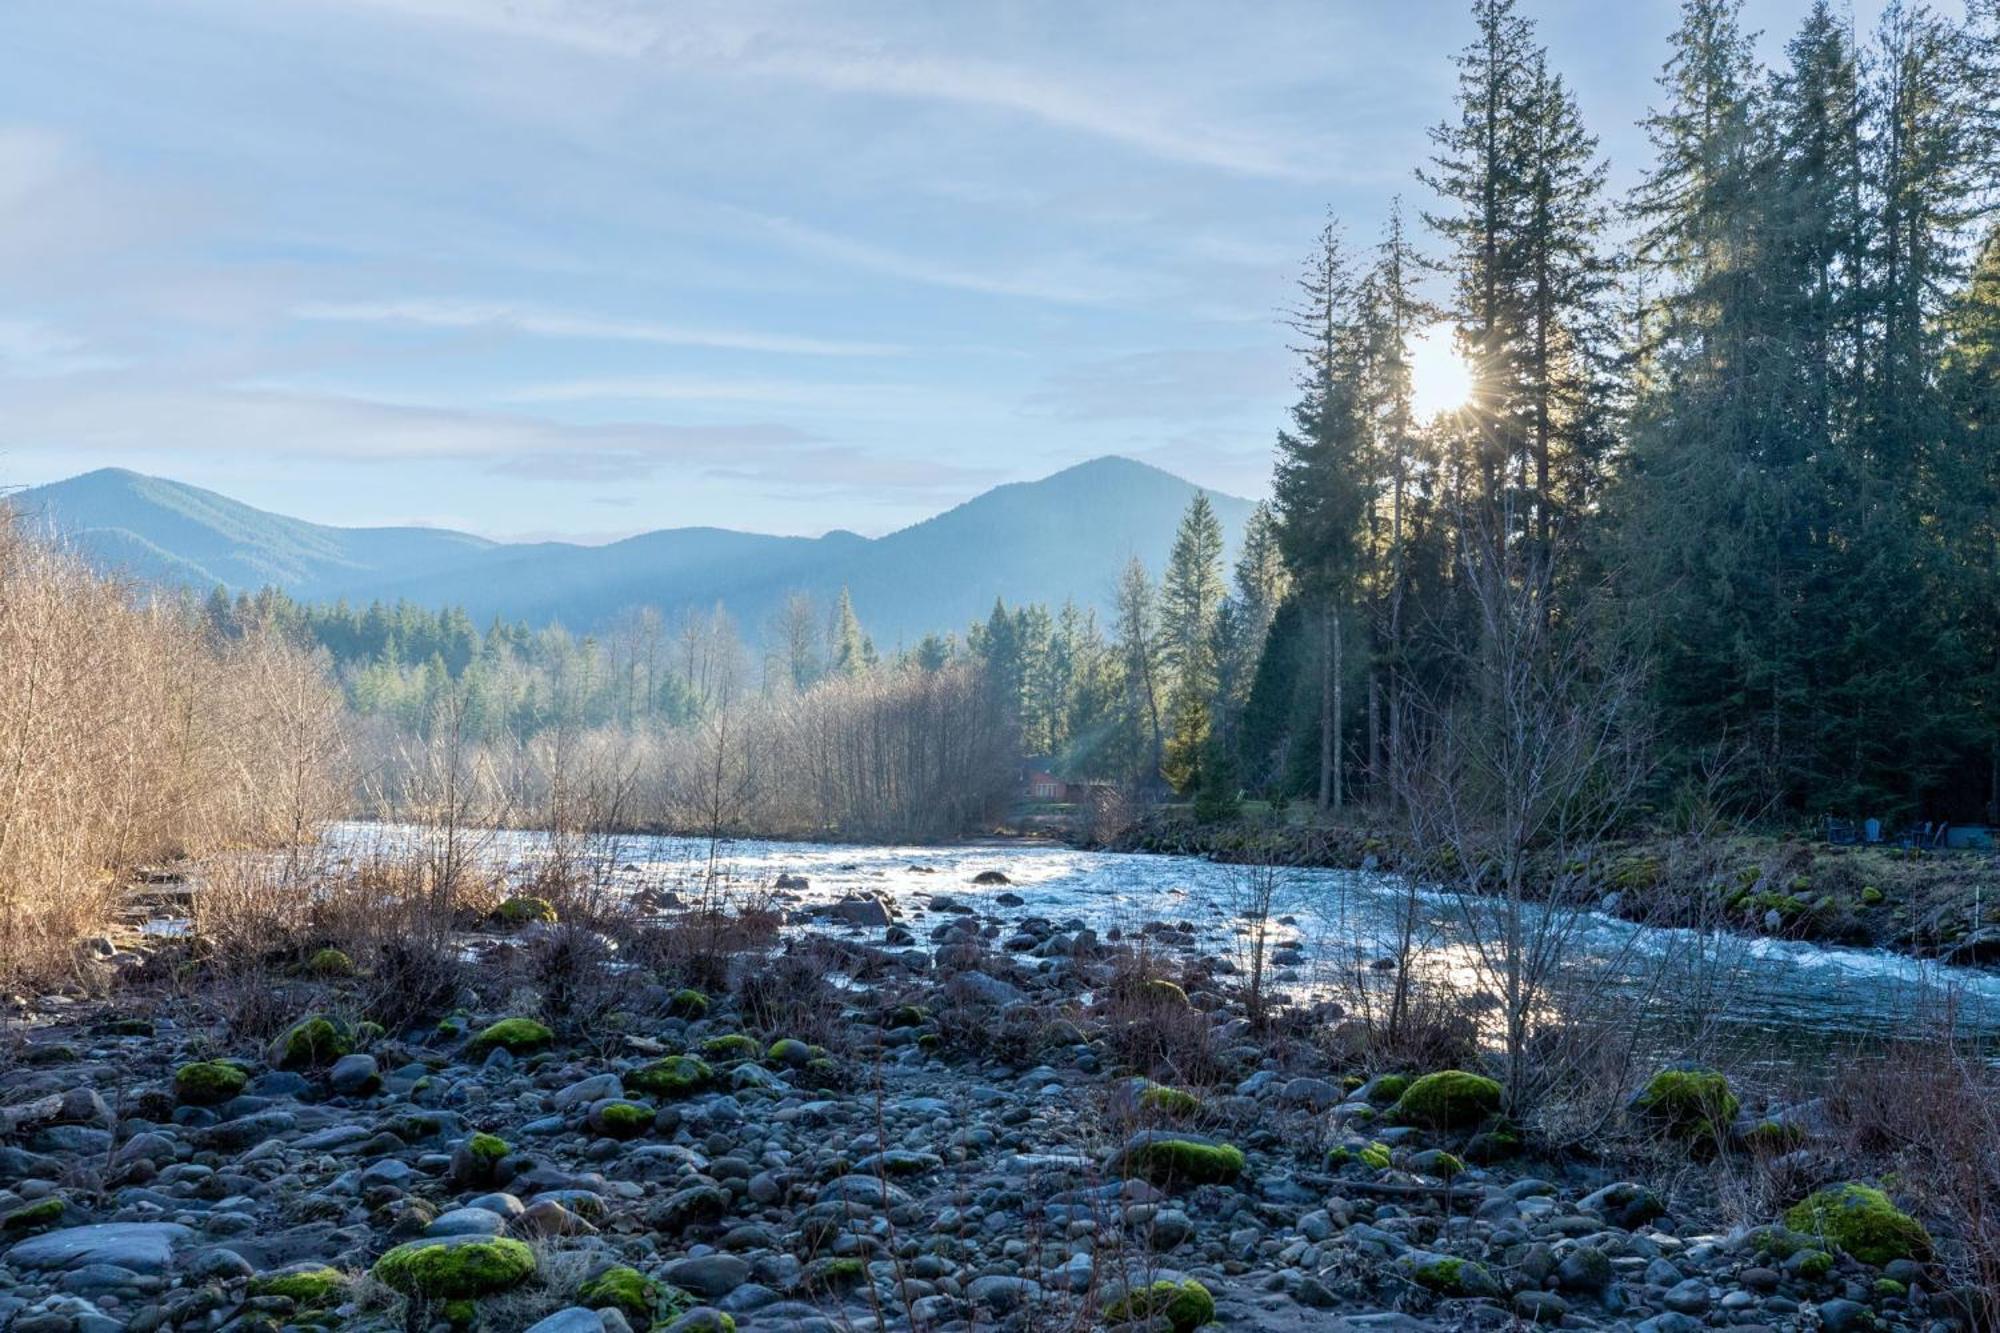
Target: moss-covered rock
{"x":1862,"y":1221}
{"x":329,"y":964}
{"x":1170,"y":1160}
{"x":208,"y":1082}
{"x":688,"y":1003}
{"x":675,"y":1076}
{"x":835,"y":1274}
{"x":312,"y":1041}
{"x":1172,"y":1103}
{"x":793,"y":1052}
{"x":1686,"y":1103}
{"x":442,"y":1270}
{"x":516,"y":1036}
{"x":32,"y":1217}
{"x":1385,"y":1089}
{"x":523,"y":910}
{"x":1448,"y":1275}
{"x":731,"y":1047}
{"x":908,"y":1016}
{"x":639,"y":1298}
{"x":308,"y":1288}
{"x":1448,"y":1099}
{"x":1158,"y":990}
{"x":1182,"y":1305}
{"x":621,"y":1120}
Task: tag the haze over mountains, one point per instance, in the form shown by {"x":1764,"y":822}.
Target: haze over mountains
{"x":1066,"y":535}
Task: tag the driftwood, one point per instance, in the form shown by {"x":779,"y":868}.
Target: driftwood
{"x":37,"y":1112}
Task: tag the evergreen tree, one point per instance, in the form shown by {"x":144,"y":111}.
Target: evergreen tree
{"x":1190,"y":604}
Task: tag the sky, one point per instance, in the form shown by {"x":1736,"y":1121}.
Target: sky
{"x":583,"y":268}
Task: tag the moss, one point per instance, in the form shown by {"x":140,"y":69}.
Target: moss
{"x":1813,"y":1265}
{"x":1870,"y":896}
{"x":1889,"y":1288}
{"x":1170,"y":1102}
{"x":790,"y":1051}
{"x":330,"y":963}
{"x":313,"y":1040}
{"x":1861,"y":1220}
{"x":1157,"y":990}
{"x":1375,"y":1155}
{"x":909,"y":1016}
{"x":455,"y":1272}
{"x":1636,"y":873}
{"x":1448,"y":1099}
{"x":1773,"y":1138}
{"x":1450,"y":1276}
{"x":732,"y":1047}
{"x":208,"y":1082}
{"x":1687,"y":1103}
{"x":514,"y":1035}
{"x":1389,"y":1088}
{"x":688,"y":1003}
{"x":307,"y":1288}
{"x":631,"y":1293}
{"x":623,"y":1120}
{"x":129,"y":1027}
{"x":675,"y":1076}
{"x":832,"y":1274}
{"x":1183,"y":1161}
{"x":486,"y":1149}
{"x":523,"y":910}
{"x":1181,"y":1305}
{"x":37,"y":1216}
{"x":1444,"y":1166}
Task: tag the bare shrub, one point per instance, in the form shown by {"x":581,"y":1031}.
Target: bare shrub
{"x":130,"y":733}
{"x":1927,"y":1109}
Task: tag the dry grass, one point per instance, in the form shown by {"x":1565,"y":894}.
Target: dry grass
{"x":130,"y":733}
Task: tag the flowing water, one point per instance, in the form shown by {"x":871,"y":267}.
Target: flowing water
{"x":1784,"y":1003}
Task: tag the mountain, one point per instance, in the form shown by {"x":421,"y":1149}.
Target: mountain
{"x":1066,"y":535}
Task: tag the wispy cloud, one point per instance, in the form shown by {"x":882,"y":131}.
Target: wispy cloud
{"x":32,"y":349}
{"x":700,"y":389}
{"x":510,"y":318}
{"x":1079,"y":282}
{"x":730,"y":41}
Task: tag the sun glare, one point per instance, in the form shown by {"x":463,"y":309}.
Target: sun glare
{"x":1440,"y":380}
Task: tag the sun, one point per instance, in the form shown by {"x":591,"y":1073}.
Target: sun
{"x":1440,"y":380}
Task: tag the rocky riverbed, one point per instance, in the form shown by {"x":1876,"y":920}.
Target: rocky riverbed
{"x":925,"y":1117}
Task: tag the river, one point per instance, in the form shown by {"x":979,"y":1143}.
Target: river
{"x":1777,"y":1002}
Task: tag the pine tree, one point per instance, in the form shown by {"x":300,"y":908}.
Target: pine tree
{"x":1190,"y":602}
{"x":1322,"y":491}
{"x":1144,"y":700}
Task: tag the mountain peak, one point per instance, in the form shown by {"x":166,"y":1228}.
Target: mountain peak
{"x":1062,"y":537}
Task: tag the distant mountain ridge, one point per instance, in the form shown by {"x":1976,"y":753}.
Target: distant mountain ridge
{"x":1066,"y":535}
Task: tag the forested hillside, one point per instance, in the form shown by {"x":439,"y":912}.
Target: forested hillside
{"x":1734,"y":431}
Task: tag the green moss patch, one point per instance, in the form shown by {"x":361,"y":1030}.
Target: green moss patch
{"x":1158,"y":991}
{"x":1861,"y":1220}
{"x":1687,"y":1103}
{"x":688,"y":1003}
{"x":1185,"y":1161}
{"x":308,"y":1288}
{"x":438,"y":1271}
{"x":37,"y":1216}
{"x":1170,"y":1102}
{"x":330,"y":963}
{"x":1448,"y":1099}
{"x":735,"y":1046}
{"x":1182,"y":1305}
{"x":639,"y":1298}
{"x":517,"y":1036}
{"x":675,"y":1076}
{"x":208,"y":1082}
{"x":486,"y":1149}
{"x":622,"y":1120}
{"x":525,"y":910}
{"x":314,"y":1040}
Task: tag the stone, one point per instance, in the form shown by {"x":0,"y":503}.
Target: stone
{"x":355,"y":1075}
{"x":142,"y":1247}
{"x":708,"y":1274}
{"x":575,"y":1319}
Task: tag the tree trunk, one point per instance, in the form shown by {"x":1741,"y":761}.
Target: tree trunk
{"x":1326,"y":722}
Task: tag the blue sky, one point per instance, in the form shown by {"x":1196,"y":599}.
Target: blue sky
{"x":590,"y":267}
